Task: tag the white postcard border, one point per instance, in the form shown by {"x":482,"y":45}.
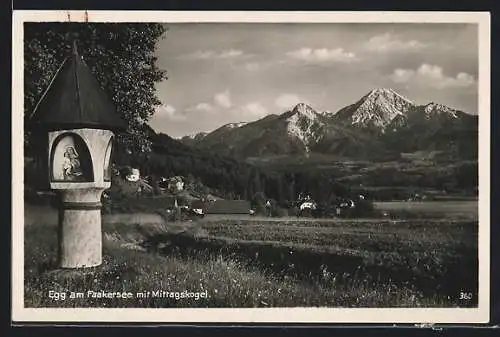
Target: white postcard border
{"x":244,"y":315}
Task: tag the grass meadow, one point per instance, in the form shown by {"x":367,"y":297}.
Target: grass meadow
{"x":417,"y":262}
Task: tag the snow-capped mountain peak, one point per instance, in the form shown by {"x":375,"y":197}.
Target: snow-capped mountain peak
{"x":303,"y":124}
{"x":234,"y":125}
{"x":438,"y":109}
{"x":194,"y":135}
{"x":305,"y":110}
{"x":377,"y":108}
{"x":387,"y":93}
{"x":382,"y":122}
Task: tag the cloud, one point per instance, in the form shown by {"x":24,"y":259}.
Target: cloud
{"x":223,"y":99}
{"x":166,"y":109}
{"x":220,"y":100}
{"x":230,"y":53}
{"x":247,"y":112}
{"x":252,"y":66}
{"x":402,"y":75}
{"x":262,"y":65}
{"x":432,"y":76}
{"x":390,"y":43}
{"x":254,"y":110}
{"x":288,"y":101}
{"x":199,"y":55}
{"x":169,"y":112}
{"x":201,"y":107}
{"x":212,"y":54}
{"x":322,"y":55}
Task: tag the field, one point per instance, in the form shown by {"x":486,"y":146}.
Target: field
{"x":420,"y":262}
{"x":456,"y":209}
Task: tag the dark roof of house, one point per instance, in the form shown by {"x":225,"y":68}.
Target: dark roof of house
{"x":75,"y":99}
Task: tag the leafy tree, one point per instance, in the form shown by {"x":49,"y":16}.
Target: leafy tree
{"x":121,"y":56}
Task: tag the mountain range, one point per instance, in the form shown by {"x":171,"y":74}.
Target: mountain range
{"x":382,"y":124}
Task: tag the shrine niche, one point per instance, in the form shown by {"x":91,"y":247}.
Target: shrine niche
{"x":71,"y":160}
{"x":107,"y":166}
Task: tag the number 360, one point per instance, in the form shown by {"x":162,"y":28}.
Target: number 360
{"x":465,"y":296}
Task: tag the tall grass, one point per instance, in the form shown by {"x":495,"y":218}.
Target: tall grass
{"x":135,"y":262}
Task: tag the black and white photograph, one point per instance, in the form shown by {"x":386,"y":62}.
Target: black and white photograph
{"x":316,"y":167}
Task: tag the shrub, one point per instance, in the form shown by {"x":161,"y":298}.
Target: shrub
{"x":306,"y":212}
{"x":294,"y":211}
{"x":278,"y":211}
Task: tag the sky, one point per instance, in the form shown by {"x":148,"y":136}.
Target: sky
{"x":222,"y":73}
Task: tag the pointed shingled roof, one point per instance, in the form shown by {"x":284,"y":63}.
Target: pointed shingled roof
{"x":75,"y":99}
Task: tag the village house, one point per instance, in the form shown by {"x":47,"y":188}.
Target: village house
{"x":173,"y":184}
{"x":133,"y":175}
{"x":133,"y":182}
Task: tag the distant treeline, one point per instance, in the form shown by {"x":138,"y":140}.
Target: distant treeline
{"x":226,"y":176}
{"x":234,"y":179}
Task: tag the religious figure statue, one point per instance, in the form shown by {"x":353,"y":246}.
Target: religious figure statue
{"x":71,"y":165}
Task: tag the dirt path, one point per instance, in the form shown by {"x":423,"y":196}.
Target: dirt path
{"x":133,"y":218}
{"x":35,"y":214}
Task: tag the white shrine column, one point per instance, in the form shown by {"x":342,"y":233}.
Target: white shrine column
{"x":80,"y":233}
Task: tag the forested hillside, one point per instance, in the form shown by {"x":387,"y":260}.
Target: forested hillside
{"x":231,"y":178}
